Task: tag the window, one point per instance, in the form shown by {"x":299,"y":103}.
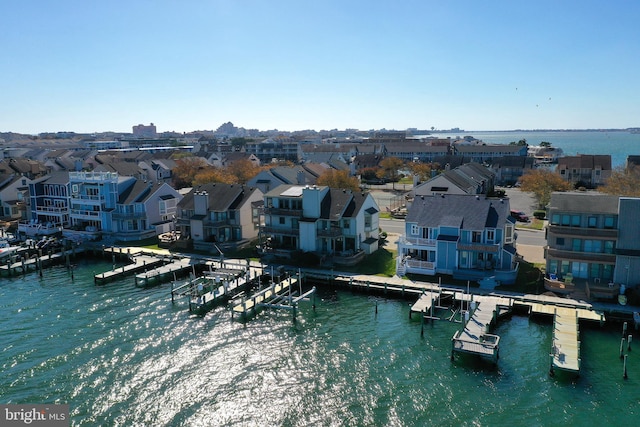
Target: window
{"x":566,"y":218}
{"x":415,"y":230}
{"x":490,"y":235}
{"x":575,"y":220}
{"x":476,"y":237}
{"x":609,"y":222}
{"x":345,"y":223}
{"x":608,"y":246}
{"x":592,"y":222}
{"x":559,"y":241}
{"x":577,"y":245}
{"x":281,"y":220}
{"x":555,"y":219}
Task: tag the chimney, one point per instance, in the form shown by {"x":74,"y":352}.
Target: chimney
{"x":201,"y":202}
{"x":300,"y":177}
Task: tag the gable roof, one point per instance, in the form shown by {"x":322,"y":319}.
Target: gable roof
{"x":467,"y":212}
{"x":222,"y":197}
{"x":585,"y":161}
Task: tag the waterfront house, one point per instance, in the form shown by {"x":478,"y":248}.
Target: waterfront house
{"x":333,"y":223}
{"x":48,"y":205}
{"x":144,"y":209}
{"x":592,"y":243}
{"x":585,"y":170}
{"x":13,"y":196}
{"x":217,"y":216}
{"x":93,"y":196}
{"x":468,"y":237}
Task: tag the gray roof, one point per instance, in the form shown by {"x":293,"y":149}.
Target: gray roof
{"x":222,"y":197}
{"x":467,"y":212}
{"x":584,"y":201}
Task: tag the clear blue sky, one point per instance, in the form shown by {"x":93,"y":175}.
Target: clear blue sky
{"x":89,"y":66}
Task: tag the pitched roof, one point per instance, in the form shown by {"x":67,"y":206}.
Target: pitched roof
{"x":222,"y":197}
{"x":467,"y":212}
{"x":134,"y":193}
{"x":585,"y":161}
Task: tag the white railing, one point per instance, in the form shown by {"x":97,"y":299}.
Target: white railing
{"x":404,"y":240}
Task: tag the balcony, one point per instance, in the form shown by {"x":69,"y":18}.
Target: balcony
{"x":479,"y":247}
{"x":560,"y":230}
{"x":129,"y":215}
{"x":51,"y":209}
{"x":330,"y":232}
{"x":87,"y":198}
{"x":593,"y":257}
{"x":283,"y":212}
{"x":277,"y":230}
{"x":416,"y":241}
{"x":85,"y":214}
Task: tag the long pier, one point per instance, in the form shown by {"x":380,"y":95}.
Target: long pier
{"x":565,"y":351}
{"x":23,"y":262}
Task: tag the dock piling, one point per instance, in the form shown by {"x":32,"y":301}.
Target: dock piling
{"x":624,"y":368}
{"x":621,"y":347}
{"x":629,"y":342}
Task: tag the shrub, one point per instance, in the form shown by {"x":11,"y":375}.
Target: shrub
{"x":539,"y":214}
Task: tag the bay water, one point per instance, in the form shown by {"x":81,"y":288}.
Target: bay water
{"x":619,"y":144}
{"x":126,"y":356}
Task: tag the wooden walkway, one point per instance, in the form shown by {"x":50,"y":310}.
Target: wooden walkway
{"x":141,"y":262}
{"x":160,"y":273}
{"x":565,"y":351}
{"x":425,"y":305}
{"x":18,"y":263}
{"x":474,"y":338}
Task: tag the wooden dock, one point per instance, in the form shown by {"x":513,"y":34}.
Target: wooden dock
{"x":475,"y":338}
{"x":209,"y":290}
{"x":565,"y":350}
{"x":280,"y":295}
{"x":23,"y":263}
{"x":425,"y":305}
{"x":140,"y":262}
{"x":167,"y":271}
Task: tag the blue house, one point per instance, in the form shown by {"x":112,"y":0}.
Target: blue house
{"x":467,"y":236}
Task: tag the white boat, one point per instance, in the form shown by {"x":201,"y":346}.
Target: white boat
{"x":544,"y":155}
{"x":8,"y":250}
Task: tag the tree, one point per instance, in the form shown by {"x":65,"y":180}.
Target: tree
{"x":542,"y":182}
{"x":623,"y":182}
{"x":186,"y":170}
{"x":519,"y":143}
{"x":390,"y":166}
{"x":339,"y":179}
{"x":243,"y":170}
{"x":423,"y":170}
{"x":213,"y":174}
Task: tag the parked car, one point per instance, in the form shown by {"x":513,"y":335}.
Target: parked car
{"x":520,"y":216}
